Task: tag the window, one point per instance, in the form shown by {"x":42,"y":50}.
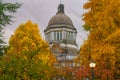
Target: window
{"x":55,"y":38}
{"x":60,"y":35}
{"x":69,"y":35}
{"x":72,"y":36}
{"x":66,"y":35}
{"x":57,"y":35}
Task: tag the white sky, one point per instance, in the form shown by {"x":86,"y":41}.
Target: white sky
{"x":41,"y":11}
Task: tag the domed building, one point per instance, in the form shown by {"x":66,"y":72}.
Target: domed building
{"x":61,"y":36}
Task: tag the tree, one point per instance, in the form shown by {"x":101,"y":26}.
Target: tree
{"x":5,"y":18}
{"x":28,"y":56}
{"x":102,"y":21}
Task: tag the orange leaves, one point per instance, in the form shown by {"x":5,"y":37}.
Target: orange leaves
{"x":103,"y":22}
{"x":104,"y":48}
{"x":31,"y":54}
{"x":28,"y":43}
{"x":52,"y":59}
{"x":101,"y":13}
{"x":25,"y":38}
{"x":114,"y":37}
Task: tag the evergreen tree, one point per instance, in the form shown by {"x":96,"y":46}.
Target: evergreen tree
{"x":5,"y":19}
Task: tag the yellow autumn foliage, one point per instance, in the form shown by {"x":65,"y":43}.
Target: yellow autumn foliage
{"x":102,"y":20}
{"x":28,"y":42}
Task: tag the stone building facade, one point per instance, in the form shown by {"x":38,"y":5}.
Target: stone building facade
{"x":61,"y":36}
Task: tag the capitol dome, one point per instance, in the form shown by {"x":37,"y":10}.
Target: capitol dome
{"x":60,"y":19}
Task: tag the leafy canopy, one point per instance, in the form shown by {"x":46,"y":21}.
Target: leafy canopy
{"x":28,"y":56}
{"x":102,"y":21}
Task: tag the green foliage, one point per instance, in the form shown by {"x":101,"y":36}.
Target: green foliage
{"x":5,"y":18}
{"x":6,"y":8}
{"x":17,"y":68}
{"x":86,"y":27}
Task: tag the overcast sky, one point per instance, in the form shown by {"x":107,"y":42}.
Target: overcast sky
{"x":41,"y":11}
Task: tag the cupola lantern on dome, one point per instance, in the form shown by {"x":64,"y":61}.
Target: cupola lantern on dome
{"x":60,"y":8}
